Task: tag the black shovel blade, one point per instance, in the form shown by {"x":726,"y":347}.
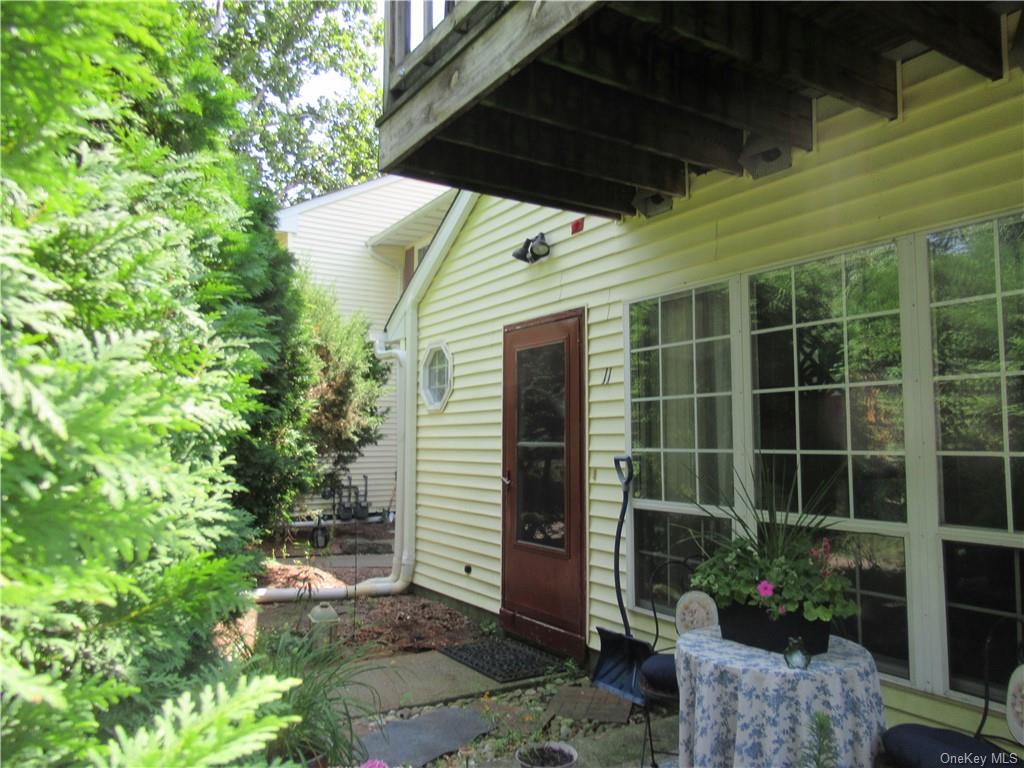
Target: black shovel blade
{"x":618,"y":665}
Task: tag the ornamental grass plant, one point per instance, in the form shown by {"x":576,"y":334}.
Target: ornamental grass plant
{"x":777,"y":561}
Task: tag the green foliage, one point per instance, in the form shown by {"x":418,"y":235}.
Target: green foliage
{"x":323,"y":701}
{"x":224,"y":727}
{"x":775,"y":561}
{"x":352,"y":378}
{"x":144,"y":301}
{"x":271,"y":48}
{"x":821,"y":751}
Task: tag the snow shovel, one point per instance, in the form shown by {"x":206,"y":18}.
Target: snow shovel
{"x":618,"y":665}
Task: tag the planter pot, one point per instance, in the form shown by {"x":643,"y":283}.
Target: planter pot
{"x":751,"y":625}
{"x":547,"y":754}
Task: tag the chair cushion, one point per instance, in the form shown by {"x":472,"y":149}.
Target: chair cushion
{"x":918,"y":746}
{"x":659,"y":674}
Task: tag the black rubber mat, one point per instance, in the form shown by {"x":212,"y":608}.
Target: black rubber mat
{"x":502,"y":659}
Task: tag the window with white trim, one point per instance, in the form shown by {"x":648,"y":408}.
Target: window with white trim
{"x":888,"y":381}
{"x":436,"y":376}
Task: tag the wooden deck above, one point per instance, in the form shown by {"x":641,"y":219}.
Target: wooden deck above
{"x":602,"y":107}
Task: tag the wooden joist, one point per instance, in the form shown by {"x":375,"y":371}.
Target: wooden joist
{"x":517,"y":136}
{"x":670,"y":74}
{"x":966,"y":32}
{"x":479,"y":171}
{"x":551,"y":95}
{"x":520,"y":34}
{"x":766,"y":39}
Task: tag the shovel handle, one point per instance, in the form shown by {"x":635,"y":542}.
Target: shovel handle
{"x":625,"y":478}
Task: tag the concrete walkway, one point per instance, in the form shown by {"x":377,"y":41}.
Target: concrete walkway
{"x":415,"y":679}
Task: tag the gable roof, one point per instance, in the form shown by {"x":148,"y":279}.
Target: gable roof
{"x":288,"y":218}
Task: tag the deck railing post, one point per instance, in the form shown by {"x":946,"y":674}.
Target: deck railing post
{"x":398,"y":28}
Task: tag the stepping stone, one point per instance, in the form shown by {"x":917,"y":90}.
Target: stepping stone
{"x":421,"y":739}
{"x":588,"y":703}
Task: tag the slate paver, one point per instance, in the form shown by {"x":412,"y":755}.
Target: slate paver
{"x":589,"y":703}
{"x":426,"y":737}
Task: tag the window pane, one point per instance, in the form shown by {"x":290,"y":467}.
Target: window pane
{"x":714,"y":366}
{"x":876,"y":418}
{"x":647,"y":424}
{"x":715,"y":475}
{"x":1015,"y":411}
{"x":973,"y":491}
{"x":668,"y":548}
{"x":678,"y":373}
{"x":771,"y":296}
{"x":643,"y":324}
{"x":647,"y":475}
{"x":874,"y":349}
{"x":714,"y":422}
{"x":820,"y":354}
{"x":644,"y":374}
{"x":819,"y":290}
{"x":872,"y":281}
{"x":676,"y":319}
{"x":541,"y":387}
{"x":823,"y":420}
{"x":962,"y":262}
{"x":1011,"y":252}
{"x":775,"y":420}
{"x":876,"y":565}
{"x":966,"y":338}
{"x":824,"y":485}
{"x":773,"y":360}
{"x":680,"y":477}
{"x":1013,"y":332}
{"x":880,"y":488}
{"x":679,"y":427}
{"x":540,"y":513}
{"x":970,"y":415}
{"x":712,"y":312}
{"x":1017,"y":485}
{"x":982,"y":584}
{"x":779,"y":470}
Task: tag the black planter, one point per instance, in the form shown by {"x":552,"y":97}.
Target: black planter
{"x":751,"y":625}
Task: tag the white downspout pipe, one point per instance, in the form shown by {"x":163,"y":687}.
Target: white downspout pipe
{"x":405,"y":530}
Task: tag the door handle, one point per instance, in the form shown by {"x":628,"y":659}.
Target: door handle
{"x":506,"y":479}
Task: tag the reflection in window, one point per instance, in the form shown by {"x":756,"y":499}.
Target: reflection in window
{"x":679,"y":540}
{"x":828,"y":385}
{"x":681,"y":397}
{"x":540,"y":447}
{"x":984,"y":585}
{"x":876,"y":565}
{"x":977,"y":298}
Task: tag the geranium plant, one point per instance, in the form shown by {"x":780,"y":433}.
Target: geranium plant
{"x":776,"y":561}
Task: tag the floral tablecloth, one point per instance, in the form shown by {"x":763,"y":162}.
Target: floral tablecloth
{"x":741,"y":706}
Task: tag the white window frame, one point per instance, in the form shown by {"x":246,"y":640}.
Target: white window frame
{"x":922,"y":533}
{"x":428,"y":398}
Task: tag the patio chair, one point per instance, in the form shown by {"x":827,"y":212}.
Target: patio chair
{"x":658,"y":680}
{"x":912,"y":745}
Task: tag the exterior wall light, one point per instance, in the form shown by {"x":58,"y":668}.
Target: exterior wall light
{"x":532,"y":249}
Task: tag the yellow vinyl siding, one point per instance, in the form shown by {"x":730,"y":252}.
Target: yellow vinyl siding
{"x":957,"y":153}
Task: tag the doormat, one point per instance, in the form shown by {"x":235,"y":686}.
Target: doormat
{"x":502,"y":659}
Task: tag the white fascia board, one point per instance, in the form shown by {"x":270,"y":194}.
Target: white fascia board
{"x":432,"y":260}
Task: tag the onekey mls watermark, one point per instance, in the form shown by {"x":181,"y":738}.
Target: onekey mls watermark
{"x":996,"y":758}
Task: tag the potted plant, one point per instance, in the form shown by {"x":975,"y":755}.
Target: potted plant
{"x":547,"y":754}
{"x":774,"y":580}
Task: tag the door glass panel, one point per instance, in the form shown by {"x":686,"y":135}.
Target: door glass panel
{"x":540,"y":447}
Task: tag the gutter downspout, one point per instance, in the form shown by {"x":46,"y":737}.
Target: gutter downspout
{"x":405,"y":553}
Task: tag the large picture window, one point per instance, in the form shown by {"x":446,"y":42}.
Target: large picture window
{"x":858,"y":386}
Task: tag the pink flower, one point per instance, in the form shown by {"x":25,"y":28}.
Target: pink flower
{"x":765,"y":588}
{"x":782,"y":610}
{"x":374,"y":764}
{"x":826,"y":546}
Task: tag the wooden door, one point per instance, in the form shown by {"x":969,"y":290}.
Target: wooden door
{"x":542,"y":588}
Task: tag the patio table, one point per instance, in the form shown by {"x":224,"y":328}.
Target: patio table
{"x":742,"y":706}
